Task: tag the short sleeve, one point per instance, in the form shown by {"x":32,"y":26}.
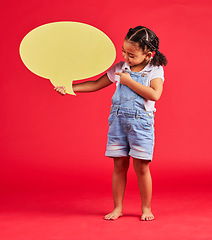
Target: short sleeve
{"x":157,"y":72}
{"x":111,"y":72}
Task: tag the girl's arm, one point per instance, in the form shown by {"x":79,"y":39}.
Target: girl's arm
{"x":152,"y":93}
{"x":88,"y":86}
{"x":92,"y":86}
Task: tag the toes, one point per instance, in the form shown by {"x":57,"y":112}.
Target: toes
{"x":151,"y":218}
{"x":147,"y":218}
{"x":108,"y":217}
{"x":112,"y":216}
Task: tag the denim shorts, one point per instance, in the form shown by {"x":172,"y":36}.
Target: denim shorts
{"x":131,"y":133}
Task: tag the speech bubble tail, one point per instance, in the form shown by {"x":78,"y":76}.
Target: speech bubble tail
{"x":67,"y":83}
{"x":69,"y":89}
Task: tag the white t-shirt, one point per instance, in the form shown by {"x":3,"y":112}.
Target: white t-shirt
{"x":151,"y":71}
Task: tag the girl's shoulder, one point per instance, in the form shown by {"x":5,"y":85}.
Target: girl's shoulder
{"x":156,"y":72}
{"x":157,"y":69}
{"x":151,"y":67}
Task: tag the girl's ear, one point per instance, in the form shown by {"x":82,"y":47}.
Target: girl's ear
{"x":148,"y":56}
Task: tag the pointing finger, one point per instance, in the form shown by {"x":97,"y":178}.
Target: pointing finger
{"x":118,"y":73}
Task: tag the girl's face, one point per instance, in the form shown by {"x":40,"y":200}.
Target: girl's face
{"x":133,"y":55}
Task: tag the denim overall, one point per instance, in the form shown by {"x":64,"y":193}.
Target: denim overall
{"x":131,"y":127}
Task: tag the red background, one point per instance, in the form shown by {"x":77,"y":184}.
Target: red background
{"x":51,"y":143}
{"x":43,"y":134}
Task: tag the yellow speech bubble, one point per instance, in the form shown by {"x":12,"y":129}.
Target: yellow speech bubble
{"x":67,"y":51}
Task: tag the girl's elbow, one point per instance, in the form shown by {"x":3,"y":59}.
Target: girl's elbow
{"x":156,"y":97}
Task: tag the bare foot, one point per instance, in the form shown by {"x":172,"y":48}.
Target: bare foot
{"x":114,"y":215}
{"x":147,"y":215}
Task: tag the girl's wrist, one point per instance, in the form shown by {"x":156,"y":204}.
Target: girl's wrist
{"x":129,"y":82}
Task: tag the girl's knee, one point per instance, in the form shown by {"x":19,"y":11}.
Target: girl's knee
{"x":121,"y":164}
{"x":141,"y":166}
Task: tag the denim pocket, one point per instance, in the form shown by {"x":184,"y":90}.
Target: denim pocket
{"x":146,"y":121}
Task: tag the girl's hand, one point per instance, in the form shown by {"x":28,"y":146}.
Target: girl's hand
{"x":60,"y":89}
{"x":125,"y":77}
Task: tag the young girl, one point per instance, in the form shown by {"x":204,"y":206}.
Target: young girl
{"x":139,"y":83}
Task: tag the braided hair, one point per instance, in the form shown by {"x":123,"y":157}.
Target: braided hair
{"x":147,"y":41}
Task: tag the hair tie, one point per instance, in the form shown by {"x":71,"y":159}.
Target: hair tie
{"x":157,"y":51}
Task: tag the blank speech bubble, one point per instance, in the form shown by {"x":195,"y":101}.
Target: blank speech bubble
{"x":67,"y":51}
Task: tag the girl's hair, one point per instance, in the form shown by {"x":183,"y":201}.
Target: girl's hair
{"x":147,"y":41}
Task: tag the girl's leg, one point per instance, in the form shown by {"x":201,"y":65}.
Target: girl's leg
{"x":119,"y":181}
{"x":145,"y":187}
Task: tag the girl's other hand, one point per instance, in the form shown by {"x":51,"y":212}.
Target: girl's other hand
{"x":60,"y":89}
{"x":125,"y":77}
